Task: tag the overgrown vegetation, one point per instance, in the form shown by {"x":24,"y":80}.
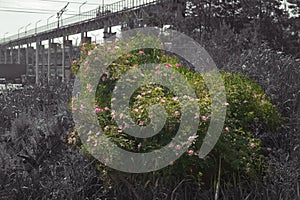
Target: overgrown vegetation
{"x":40,"y":161}
{"x":238,"y":148}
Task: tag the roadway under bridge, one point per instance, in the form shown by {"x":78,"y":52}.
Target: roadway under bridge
{"x":53,"y":60}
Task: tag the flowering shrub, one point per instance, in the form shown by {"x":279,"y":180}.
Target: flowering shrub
{"x":238,"y":149}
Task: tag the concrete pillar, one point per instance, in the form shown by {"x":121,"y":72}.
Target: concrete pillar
{"x":27,"y":59}
{"x":43,"y":60}
{"x":55,"y":61}
{"x":0,"y":56}
{"x":49,"y":60}
{"x":5,"y":56}
{"x":33,"y":58}
{"x":63,"y":61}
{"x":37,"y":62}
{"x":19,"y":54}
{"x":11,"y":55}
{"x":82,"y":37}
{"x":81,"y":41}
{"x":71,"y":52}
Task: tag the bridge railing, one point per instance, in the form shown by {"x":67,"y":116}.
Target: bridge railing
{"x":101,"y":11}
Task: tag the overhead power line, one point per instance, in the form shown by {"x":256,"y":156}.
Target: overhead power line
{"x":74,"y":2}
{"x":30,"y":9}
{"x":27,"y":12}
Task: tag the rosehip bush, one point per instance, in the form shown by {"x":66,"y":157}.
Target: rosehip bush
{"x":238,"y":148}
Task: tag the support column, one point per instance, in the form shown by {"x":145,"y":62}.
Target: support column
{"x":27,"y":60}
{"x":81,"y":42}
{"x":55,"y":60}
{"x":0,"y":56}
{"x":11,"y":55}
{"x":5,"y":56}
{"x":82,"y":37}
{"x":19,"y":54}
{"x":63,"y":61}
{"x":49,"y":60}
{"x":37,"y":62}
{"x":43,"y":60}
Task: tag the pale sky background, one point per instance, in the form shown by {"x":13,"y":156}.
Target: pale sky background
{"x":15,"y":14}
{"x":11,"y":21}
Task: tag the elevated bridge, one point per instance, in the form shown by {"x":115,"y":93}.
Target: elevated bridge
{"x":56,"y":59}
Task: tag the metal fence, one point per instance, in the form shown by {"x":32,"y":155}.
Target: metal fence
{"x":101,"y":11}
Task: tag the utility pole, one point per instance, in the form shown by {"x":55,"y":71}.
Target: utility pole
{"x":59,"y":14}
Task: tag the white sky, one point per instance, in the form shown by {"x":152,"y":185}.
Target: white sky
{"x":11,"y":21}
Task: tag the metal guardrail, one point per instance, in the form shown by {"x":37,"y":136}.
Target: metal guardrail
{"x":101,"y":11}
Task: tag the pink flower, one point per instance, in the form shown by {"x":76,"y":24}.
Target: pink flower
{"x":121,"y":115}
{"x":149,"y":91}
{"x":97,"y":110}
{"x":106,"y":108}
{"x":157,"y":67}
{"x":255,"y":95}
{"x":252,"y":145}
{"x":162,"y":100}
{"x":90,"y":53}
{"x":139,"y":145}
{"x":89,"y":133}
{"x":175,"y":98}
{"x":168,"y":65}
{"x":191,"y":152}
{"x":204,"y":118}
{"x":208,"y":74}
{"x":98,"y":133}
{"x":157,"y":72}
{"x":245,"y":101}
{"x":191,"y":138}
{"x":139,"y":97}
{"x":177,"y":113}
{"x":177,"y":65}
{"x":95,"y":144}
{"x":120,"y":131}
{"x":74,"y":61}
{"x":226,"y":129}
{"x":89,"y":139}
{"x":141,"y":52}
{"x":136,"y":110}
{"x":74,"y":108}
{"x":150,"y":116}
{"x":226,"y":104}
